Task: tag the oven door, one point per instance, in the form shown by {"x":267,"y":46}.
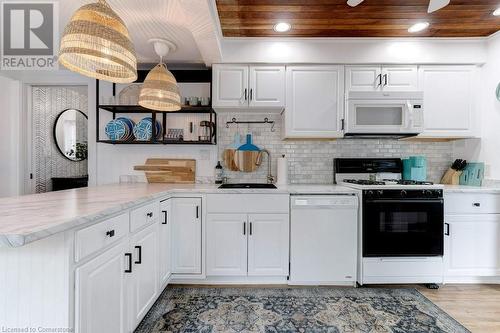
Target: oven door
{"x":379,"y":116}
{"x":403,"y":227}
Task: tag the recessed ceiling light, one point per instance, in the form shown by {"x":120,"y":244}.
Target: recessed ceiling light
{"x":496,"y":12}
{"x":282,"y":27}
{"x":417,"y":27}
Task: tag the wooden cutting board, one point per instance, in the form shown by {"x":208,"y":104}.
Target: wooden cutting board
{"x":168,"y":170}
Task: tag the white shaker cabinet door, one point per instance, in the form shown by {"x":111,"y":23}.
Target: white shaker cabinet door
{"x":399,"y":78}
{"x":100,"y":293}
{"x":230,"y":86}
{"x":472,"y":248}
{"x":449,"y":100}
{"x":315,"y":102}
{"x":227,"y":244}
{"x":268,"y":244}
{"x":165,"y":243}
{"x":267,"y":86}
{"x":144,"y":286}
{"x":363,"y":78}
{"x":186,"y":235}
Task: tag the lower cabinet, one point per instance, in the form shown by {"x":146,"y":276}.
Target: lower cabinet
{"x":186,"y":235}
{"x":472,"y":246}
{"x":100,"y":293}
{"x":143,"y":275}
{"x":247,"y":244}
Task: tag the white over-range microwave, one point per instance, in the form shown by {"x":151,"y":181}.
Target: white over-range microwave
{"x":384,"y":114}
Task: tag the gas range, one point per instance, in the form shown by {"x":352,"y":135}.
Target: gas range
{"x":390,"y":184}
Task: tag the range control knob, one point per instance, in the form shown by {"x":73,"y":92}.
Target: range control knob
{"x":370,"y":194}
{"x":428,"y":193}
{"x":404,"y":194}
{"x":380,"y":193}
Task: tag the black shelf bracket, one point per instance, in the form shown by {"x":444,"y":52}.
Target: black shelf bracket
{"x":265,"y":121}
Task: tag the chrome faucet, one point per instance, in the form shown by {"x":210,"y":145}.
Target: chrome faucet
{"x":258,"y":162}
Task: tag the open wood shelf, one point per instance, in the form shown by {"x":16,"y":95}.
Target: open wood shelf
{"x":141,"y":109}
{"x":156,"y":142}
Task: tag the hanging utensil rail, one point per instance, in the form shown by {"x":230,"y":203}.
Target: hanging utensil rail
{"x":265,"y":121}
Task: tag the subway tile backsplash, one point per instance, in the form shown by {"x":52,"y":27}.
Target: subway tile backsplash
{"x":311,"y":161}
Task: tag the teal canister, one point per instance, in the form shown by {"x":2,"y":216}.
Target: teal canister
{"x":406,"y":169}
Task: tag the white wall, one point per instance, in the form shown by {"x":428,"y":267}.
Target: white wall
{"x":9,"y":137}
{"x":490,"y":115}
{"x":354,"y":51}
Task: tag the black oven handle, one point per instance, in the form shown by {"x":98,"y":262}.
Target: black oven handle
{"x":440,"y":201}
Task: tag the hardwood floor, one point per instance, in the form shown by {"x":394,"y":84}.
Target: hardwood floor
{"x":477,"y":307}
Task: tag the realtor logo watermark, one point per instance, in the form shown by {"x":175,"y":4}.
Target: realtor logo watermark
{"x":29,"y":35}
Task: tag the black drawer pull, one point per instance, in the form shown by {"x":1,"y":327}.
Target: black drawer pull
{"x":447,"y":232}
{"x":150,"y":214}
{"x":251,"y":231}
{"x":477,"y":204}
{"x":110,"y":233}
{"x":165,"y":221}
{"x":244,"y":228}
{"x":139,"y":261}
{"x":129,"y":255}
{"x":197,"y":212}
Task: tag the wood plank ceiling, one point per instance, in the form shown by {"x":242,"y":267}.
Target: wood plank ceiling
{"x":372,"y":18}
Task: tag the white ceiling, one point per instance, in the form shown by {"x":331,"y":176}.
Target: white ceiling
{"x":187,"y":23}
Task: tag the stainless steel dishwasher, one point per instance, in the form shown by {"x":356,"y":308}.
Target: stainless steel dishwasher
{"x":323,"y":239}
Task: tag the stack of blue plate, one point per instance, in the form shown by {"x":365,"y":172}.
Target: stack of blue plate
{"x":120,"y":129}
{"x":143,"y":129}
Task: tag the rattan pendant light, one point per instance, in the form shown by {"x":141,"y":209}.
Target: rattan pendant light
{"x":160,"y":91}
{"x":96,"y":43}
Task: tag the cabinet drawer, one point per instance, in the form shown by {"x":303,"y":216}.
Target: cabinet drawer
{"x":248,"y":203}
{"x":469,"y":203}
{"x":144,"y":215}
{"x":100,"y":235}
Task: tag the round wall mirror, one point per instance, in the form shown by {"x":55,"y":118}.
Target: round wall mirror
{"x":70,"y":134}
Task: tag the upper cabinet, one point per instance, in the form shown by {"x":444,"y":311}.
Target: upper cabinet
{"x":449,"y":100}
{"x":381,"y":78}
{"x":314,"y":102}
{"x":248,"y":87}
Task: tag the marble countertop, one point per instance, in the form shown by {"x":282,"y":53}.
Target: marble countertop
{"x":471,"y":189}
{"x":25,"y":219}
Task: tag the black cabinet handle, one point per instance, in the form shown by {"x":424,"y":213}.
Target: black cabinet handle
{"x":379,"y":78}
{"x":110,"y":233}
{"x":165,"y":221}
{"x":245,"y":94}
{"x":197,"y":212}
{"x":385,"y":79}
{"x":129,"y":255}
{"x":251,"y":94}
{"x":477,"y":204}
{"x":342,"y":126}
{"x":150,"y":214}
{"x":251,"y":229}
{"x":244,"y":228}
{"x":447,"y":232}
{"x":139,"y":261}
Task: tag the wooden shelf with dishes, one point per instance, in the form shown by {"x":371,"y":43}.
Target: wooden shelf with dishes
{"x":204,"y":116}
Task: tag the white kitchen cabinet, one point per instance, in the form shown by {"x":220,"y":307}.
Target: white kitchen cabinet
{"x":268,"y":244}
{"x":165,"y":243}
{"x":100,"y":292}
{"x":449,"y":100}
{"x":186,"y":235}
{"x":382,"y":78}
{"x":472,"y":248}
{"x":248,"y":87}
{"x":227,"y":244}
{"x":267,"y":87}
{"x":314,"y":102}
{"x":230,"y":86}
{"x":144,"y":276}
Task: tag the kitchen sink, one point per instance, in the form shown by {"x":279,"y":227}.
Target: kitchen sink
{"x":248,"y":185}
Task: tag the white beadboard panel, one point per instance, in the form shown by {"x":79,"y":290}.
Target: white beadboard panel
{"x":48,"y":102}
{"x":35,"y":285}
{"x":187,"y":23}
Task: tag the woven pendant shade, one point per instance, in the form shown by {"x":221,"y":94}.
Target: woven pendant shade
{"x":160,"y":91}
{"x":96,"y":43}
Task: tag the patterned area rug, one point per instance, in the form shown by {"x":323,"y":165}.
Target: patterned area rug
{"x":276,"y":310}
